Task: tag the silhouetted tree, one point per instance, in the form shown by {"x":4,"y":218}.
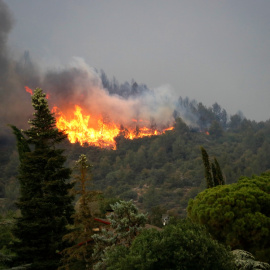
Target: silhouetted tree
{"x":207,"y":168}
{"x":44,"y":201}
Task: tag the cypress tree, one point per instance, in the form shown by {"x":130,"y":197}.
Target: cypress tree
{"x":219,"y":173}
{"x":45,"y":203}
{"x":207,"y":168}
{"x":214,"y":174}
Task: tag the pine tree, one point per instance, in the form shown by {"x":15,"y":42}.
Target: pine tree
{"x":45,"y":203}
{"x":207,"y":168}
{"x":79,"y":255}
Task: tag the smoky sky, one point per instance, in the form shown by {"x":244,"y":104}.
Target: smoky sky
{"x":211,"y":51}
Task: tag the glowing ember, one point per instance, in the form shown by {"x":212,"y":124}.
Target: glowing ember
{"x":94,"y":131}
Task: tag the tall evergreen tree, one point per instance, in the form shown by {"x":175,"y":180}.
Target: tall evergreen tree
{"x":79,"y":255}
{"x":212,"y":171}
{"x":214,"y":174}
{"x":207,"y":168}
{"x":219,"y":173}
{"x":44,"y":202}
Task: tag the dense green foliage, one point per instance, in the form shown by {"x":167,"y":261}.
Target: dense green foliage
{"x":126,"y":223}
{"x":79,"y":255}
{"x":44,"y":202}
{"x":212,"y":173}
{"x":160,"y":173}
{"x":207,"y":169}
{"x":6,"y":239}
{"x":237,"y":214}
{"x":182,"y":246}
{"x":163,"y":170}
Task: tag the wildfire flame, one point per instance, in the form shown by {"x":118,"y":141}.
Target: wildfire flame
{"x":27,"y":89}
{"x":93,"y":130}
{"x":97,"y":130}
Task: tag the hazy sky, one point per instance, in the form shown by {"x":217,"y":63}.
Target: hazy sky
{"x":211,"y":51}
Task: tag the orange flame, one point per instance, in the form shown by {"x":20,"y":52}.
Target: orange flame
{"x":94,"y":131}
{"x":29,"y":90}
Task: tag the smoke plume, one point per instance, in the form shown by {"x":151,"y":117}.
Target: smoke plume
{"x":14,"y":74}
{"x":79,"y":84}
{"x":76,"y":84}
{"x":82,"y":85}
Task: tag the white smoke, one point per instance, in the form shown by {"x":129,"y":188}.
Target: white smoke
{"x":86,"y":90}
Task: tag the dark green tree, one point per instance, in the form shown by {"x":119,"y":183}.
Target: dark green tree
{"x":219,"y":175}
{"x":207,"y":168}
{"x":237,"y":214}
{"x":22,"y":144}
{"x":212,"y":172}
{"x":215,"y":129}
{"x":79,"y":255}
{"x":45,"y":203}
{"x":183,"y":246}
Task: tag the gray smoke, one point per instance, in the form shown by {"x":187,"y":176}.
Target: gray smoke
{"x":79,"y":84}
{"x":5,"y":26}
{"x":14,"y":75}
{"x":82,"y":85}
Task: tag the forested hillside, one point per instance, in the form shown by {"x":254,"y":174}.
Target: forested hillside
{"x":161,"y":173}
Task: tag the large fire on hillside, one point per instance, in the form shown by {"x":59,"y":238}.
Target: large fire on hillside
{"x":99,"y":130}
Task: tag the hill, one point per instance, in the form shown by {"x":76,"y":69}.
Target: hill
{"x":167,"y":170}
{"x":160,"y":173}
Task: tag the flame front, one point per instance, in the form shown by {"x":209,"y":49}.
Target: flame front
{"x":94,"y":131}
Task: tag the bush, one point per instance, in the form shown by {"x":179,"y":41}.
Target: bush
{"x":181,"y":246}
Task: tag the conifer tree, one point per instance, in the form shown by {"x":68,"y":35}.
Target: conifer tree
{"x":219,"y":173}
{"x":125,"y":223}
{"x":212,"y":173}
{"x":207,"y":168}
{"x":79,"y":255}
{"x":45,"y":203}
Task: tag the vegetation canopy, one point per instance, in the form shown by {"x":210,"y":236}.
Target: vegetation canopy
{"x":237,"y":214}
{"x":183,"y":246}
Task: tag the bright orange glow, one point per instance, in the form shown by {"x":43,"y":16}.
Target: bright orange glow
{"x":94,"y":131}
{"x":29,"y":90}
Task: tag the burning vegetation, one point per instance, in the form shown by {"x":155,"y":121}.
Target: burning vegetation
{"x":98,"y":130}
{"x":95,"y":130}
